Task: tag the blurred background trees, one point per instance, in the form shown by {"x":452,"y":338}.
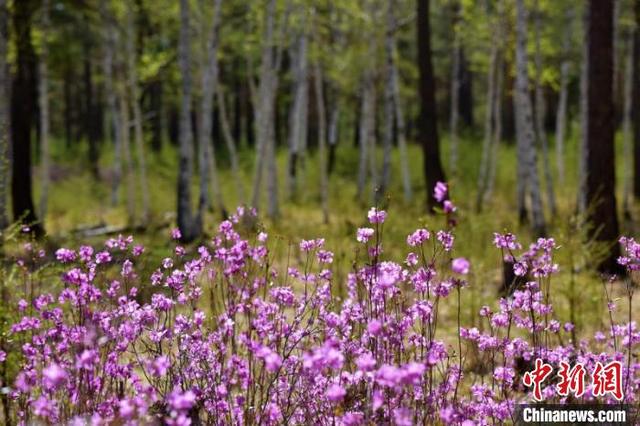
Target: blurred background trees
{"x":284,"y":103}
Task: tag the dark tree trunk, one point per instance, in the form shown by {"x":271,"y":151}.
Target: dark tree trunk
{"x":89,"y":116}
{"x":22,"y":109}
{"x":635,"y":103}
{"x":600,"y":165}
{"x":155,"y":106}
{"x":68,"y":106}
{"x":465,"y":91}
{"x":427,"y":123}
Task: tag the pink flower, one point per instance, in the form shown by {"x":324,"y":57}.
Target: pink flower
{"x":376,"y":216}
{"x":54,"y":376}
{"x":460,"y":265}
{"x":336,"y":393}
{"x":440,"y":191}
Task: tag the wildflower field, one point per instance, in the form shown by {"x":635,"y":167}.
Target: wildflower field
{"x":233,"y":332}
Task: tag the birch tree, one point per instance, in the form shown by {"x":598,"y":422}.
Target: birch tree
{"x":129,"y":172}
{"x":561,"y":114}
{"x":265,"y":132}
{"x":134,"y":99}
{"x":43,"y":100}
{"x":189,"y":225}
{"x":299,"y":108}
{"x":540,"y":112}
{"x":208,"y":169}
{"x":528,"y":181}
{"x":113,"y":122}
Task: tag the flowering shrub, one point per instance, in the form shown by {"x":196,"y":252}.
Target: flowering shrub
{"x":225,"y":337}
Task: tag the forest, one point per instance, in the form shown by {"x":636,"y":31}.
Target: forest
{"x":290,"y":212}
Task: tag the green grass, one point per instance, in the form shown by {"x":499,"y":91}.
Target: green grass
{"x":77,"y":200}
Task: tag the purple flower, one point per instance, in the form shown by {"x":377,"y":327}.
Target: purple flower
{"x":418,"y":237}
{"x":336,"y":393}
{"x":65,"y":255}
{"x":364,"y":234}
{"x":376,"y":216}
{"x":460,"y":265}
{"x":440,"y":191}
{"x":176,"y":234}
{"x":182,"y":401}
{"x":54,"y":376}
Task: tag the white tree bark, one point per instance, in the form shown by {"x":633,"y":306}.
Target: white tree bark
{"x":322,"y":141}
{"x":299,"y":112}
{"x":497,"y":124}
{"x":367,"y":126}
{"x":230,"y":143}
{"x":561,"y":115}
{"x":540,"y":114}
{"x":44,"y":112}
{"x":112,"y":102}
{"x":397,"y":102}
{"x":208,"y":169}
{"x":265,"y":149}
{"x":488,"y":126}
{"x":527,"y":165}
{"x":134,"y":100}
{"x":4,"y":115}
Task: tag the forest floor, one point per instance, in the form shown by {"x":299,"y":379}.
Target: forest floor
{"x":77,"y":202}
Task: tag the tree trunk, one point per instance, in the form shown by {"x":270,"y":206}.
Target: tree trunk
{"x":112,"y":107}
{"x":465,"y":91}
{"x":497,"y":120}
{"x":264,"y":107}
{"x":387,"y":139}
{"x":455,"y":91}
{"x":584,"y":116}
{"x":561,"y":115}
{"x":89,"y":116}
{"x":189,"y":225}
{"x":366,"y":132}
{"x":298,"y":113}
{"x":488,"y":126}
{"x":600,"y":160}
{"x":427,"y":122}
{"x":134,"y":99}
{"x":209,"y":80}
{"x":322,"y":141}
{"x":397,"y":104}
{"x":635,"y":102}
{"x":334,"y":129}
{"x":540,"y":113}
{"x":4,"y":116}
{"x":528,"y":180}
{"x":129,"y":173}
{"x":22,"y":108}
{"x":230,"y":143}
{"x":44,"y":113}
{"x":626,"y":128}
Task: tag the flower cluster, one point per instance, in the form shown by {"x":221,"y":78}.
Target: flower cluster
{"x":221,"y":336}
